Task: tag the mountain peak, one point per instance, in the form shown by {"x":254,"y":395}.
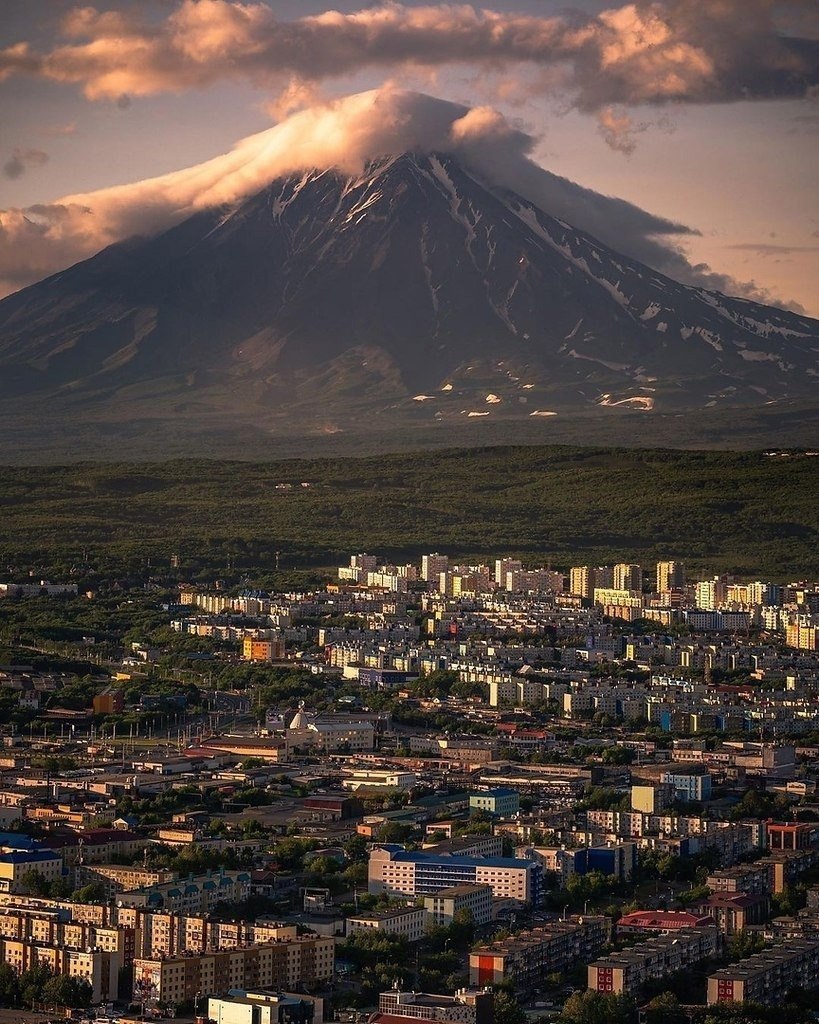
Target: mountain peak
{"x":411,"y":291}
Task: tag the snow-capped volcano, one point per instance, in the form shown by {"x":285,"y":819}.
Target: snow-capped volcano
{"x":414,"y":289}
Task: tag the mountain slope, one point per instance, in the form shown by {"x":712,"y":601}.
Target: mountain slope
{"x":411,"y":292}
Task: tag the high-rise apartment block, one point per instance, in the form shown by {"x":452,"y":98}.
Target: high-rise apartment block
{"x":432,"y":566}
{"x":670,"y":576}
{"x":627,"y":576}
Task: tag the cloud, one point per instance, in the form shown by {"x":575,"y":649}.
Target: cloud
{"x":646,"y":51}
{"x":21,"y":159}
{"x":765,"y":249}
{"x":342,"y":134}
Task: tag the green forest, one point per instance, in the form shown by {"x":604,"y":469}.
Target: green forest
{"x":741,"y":512}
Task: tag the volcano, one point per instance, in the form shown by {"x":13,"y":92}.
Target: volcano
{"x":414,"y":292}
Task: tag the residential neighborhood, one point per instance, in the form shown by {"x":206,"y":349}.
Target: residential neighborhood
{"x":453,"y":792}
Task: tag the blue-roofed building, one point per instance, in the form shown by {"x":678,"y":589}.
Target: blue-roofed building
{"x":399,"y":872}
{"x":196,"y":894}
{"x":14,"y":867}
{"x":11,"y":842}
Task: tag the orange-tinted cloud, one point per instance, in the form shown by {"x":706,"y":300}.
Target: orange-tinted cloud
{"x":641,"y":52}
{"x":343,"y":135}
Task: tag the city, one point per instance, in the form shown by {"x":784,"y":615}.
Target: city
{"x":459,"y":792}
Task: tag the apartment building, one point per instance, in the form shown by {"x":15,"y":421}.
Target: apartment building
{"x":409,"y":922}
{"x":118,"y":879}
{"x":670,"y":576}
{"x":15,"y":866}
{"x":688,"y":786}
{"x":308,"y":961}
{"x":399,"y":872}
{"x":734,"y":912}
{"x":164,"y":934}
{"x":749,"y":878}
{"x":255,"y":649}
{"x":498,"y":802}
{"x":444,"y":906}
{"x":100,"y":968}
{"x":767,"y":977}
{"x":196,"y":894}
{"x":626,"y":972}
{"x":526,"y":958}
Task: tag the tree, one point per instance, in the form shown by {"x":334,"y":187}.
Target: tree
{"x":508,"y":1010}
{"x":64,"y":990}
{"x":743,"y":944}
{"x":665,"y":1009}
{"x":9,"y":985}
{"x":35,"y":882}
{"x":592,"y":1007}
{"x":32,"y":983}
{"x":94,"y":892}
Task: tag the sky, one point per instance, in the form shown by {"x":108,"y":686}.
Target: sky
{"x":703,"y":113}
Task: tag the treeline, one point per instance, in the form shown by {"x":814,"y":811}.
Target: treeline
{"x":719,"y":511}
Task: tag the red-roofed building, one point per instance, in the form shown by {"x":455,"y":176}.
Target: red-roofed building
{"x":733,"y":911}
{"x":800,"y":835}
{"x":653,"y":922}
{"x":94,"y":846}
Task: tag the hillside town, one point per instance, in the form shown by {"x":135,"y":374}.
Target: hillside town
{"x":470,"y":794}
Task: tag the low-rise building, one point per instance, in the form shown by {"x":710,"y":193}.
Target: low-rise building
{"x":444,"y":906}
{"x":767,"y":977}
{"x":626,"y":972}
{"x":249,"y":1007}
{"x":526,"y":958}
{"x":500,"y":803}
{"x":467,"y":1006}
{"x":661,"y":922}
{"x":408,"y":922}
{"x":399,"y":872}
{"x":305,"y":962}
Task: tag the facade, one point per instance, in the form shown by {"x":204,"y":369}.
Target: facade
{"x":526,"y":958}
{"x":767,"y":977}
{"x":196,"y":894}
{"x":262,"y":650}
{"x":99,"y":968}
{"x":15,"y":866}
{"x":408,"y":922}
{"x":443,"y":906}
{"x":688,"y":786}
{"x":161,"y":934}
{"x":248,"y":1007}
{"x":378,"y":778}
{"x":308,"y":961}
{"x":625,"y":973}
{"x":501,"y":803}
{"x":467,"y":1006}
{"x":670,"y":576}
{"x":399,"y":872}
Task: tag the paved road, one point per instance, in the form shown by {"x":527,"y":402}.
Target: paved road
{"x":23,"y":1017}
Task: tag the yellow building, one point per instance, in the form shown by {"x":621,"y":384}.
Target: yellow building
{"x":15,"y":866}
{"x":262,"y":650}
{"x":803,"y":636}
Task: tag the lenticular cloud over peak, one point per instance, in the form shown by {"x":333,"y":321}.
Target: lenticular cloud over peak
{"x":343,"y":135}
